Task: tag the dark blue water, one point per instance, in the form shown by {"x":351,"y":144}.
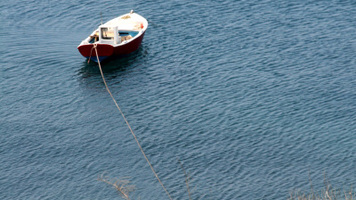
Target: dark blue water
{"x":251,"y":96}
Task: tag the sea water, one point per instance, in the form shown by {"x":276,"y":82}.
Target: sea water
{"x":254,"y":98}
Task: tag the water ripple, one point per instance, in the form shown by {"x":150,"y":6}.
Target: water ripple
{"x":247,"y":94}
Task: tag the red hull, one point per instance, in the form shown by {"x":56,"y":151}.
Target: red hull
{"x":107,"y":50}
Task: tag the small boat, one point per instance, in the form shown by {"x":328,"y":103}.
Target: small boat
{"x":119,"y":36}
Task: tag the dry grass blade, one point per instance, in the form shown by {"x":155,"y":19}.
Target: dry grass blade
{"x":327,"y":194}
{"x":122,"y":186}
{"x":187,"y":178}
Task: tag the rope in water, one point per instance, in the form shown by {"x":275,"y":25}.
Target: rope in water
{"x":107,"y":88}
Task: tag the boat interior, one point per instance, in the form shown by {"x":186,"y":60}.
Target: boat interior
{"x":124,"y":35}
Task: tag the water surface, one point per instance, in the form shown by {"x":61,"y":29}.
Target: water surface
{"x":251,"y":96}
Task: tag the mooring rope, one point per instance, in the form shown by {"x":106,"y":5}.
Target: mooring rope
{"x":91,"y":51}
{"x":107,"y":88}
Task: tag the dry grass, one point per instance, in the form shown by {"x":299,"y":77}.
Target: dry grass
{"x":125,"y":190}
{"x":328,"y":193}
{"x":187,"y":179}
{"x":122,"y":186}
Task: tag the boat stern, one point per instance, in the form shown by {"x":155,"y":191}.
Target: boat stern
{"x":88,"y":51}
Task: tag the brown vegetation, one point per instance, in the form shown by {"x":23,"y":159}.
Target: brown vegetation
{"x":122,"y":186}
